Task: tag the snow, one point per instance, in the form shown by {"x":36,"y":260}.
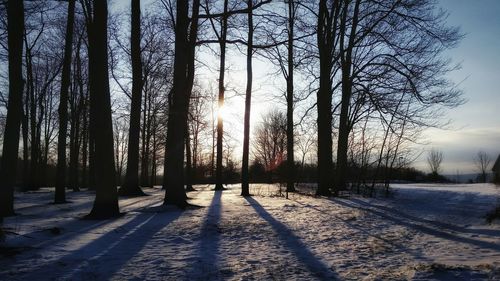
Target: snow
{"x":422,"y":232}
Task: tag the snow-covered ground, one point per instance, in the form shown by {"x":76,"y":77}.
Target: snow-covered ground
{"x":423,"y":232}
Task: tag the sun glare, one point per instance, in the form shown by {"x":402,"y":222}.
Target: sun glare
{"x":223,"y":112}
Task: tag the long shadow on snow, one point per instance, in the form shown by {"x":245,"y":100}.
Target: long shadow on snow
{"x":113,"y":249}
{"x":78,"y":227}
{"x":448,"y":226}
{"x":142,"y":229}
{"x":295,"y":244}
{"x":422,"y":228}
{"x":209,"y":240}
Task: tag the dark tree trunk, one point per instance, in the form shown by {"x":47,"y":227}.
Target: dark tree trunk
{"x":152,"y":181}
{"x":220,"y":124}
{"x":290,"y":181}
{"x":106,"y":200}
{"x":85,"y":138}
{"x":189,"y":168}
{"x":74,"y":149}
{"x":173,"y":182}
{"x":193,"y":34}
{"x":344,"y":126}
{"x":15,"y":28}
{"x":245,"y":187}
{"x":91,"y":175}
{"x":130,"y":186}
{"x":25,"y":132}
{"x":60,"y":193}
{"x":324,"y":103}
{"x":144,"y":146}
{"x":32,"y":181}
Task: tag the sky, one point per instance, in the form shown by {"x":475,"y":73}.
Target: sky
{"x":476,"y":124}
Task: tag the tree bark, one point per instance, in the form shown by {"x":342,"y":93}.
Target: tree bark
{"x":189,"y":168}
{"x":245,"y":187}
{"x":173,"y":183}
{"x":344,"y":124}
{"x":8,"y":169}
{"x":130,"y":186}
{"x":60,"y":193}
{"x":106,"y":200}
{"x":324,"y":103}
{"x":220,"y":122}
{"x":290,"y":181}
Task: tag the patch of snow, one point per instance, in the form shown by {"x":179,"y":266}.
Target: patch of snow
{"x":423,"y":232}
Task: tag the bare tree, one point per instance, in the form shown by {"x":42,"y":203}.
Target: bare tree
{"x":101,"y":126}
{"x":245,"y":189}
{"x":434,"y":160}
{"x":270,"y":140}
{"x":60,"y":193}
{"x":131,"y":183}
{"x":482,"y":162}
{"x":185,"y":43}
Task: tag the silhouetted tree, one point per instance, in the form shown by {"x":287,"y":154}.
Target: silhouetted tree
{"x":434,"y":160}
{"x":185,"y":39}
{"x":101,"y":126}
{"x":270,"y":140}
{"x":8,"y":168}
{"x":482,"y":162}
{"x":245,"y":190}
{"x":326,"y":37}
{"x":60,"y":193}
{"x":222,"y":37}
{"x":130,"y":186}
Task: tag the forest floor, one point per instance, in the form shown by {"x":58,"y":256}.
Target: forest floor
{"x":422,"y":232}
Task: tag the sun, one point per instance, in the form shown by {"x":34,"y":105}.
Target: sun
{"x":223,"y":112}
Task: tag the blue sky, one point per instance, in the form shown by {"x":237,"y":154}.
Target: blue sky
{"x":476,"y":124}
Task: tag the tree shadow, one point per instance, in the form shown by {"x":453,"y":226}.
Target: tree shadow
{"x":113,"y":249}
{"x":295,"y":244}
{"x":416,"y":225}
{"x":442,"y":225}
{"x":209,"y":240}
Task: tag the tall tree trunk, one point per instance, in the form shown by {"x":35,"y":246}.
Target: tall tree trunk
{"x":220,"y":122}
{"x":290,"y":181}
{"x":245,"y":187}
{"x":106,"y":200}
{"x":173,"y":182}
{"x":324,"y":103}
{"x":8,"y":169}
{"x":130,"y":186}
{"x":60,"y":193}
{"x":32,"y":182}
{"x":85,"y":138}
{"x":189,"y":168}
{"x":144,"y":147}
{"x":193,"y":33}
{"x":344,"y":124}
{"x":74,"y":150}
{"x":91,"y":175}
{"x":25,"y":132}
